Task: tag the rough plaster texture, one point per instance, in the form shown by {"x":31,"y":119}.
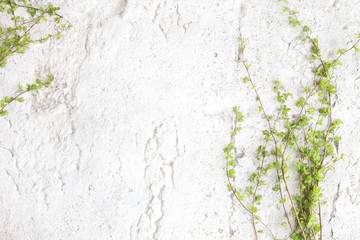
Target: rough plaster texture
{"x":127,"y":143}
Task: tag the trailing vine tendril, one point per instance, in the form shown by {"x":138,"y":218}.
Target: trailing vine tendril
{"x":307,"y":140}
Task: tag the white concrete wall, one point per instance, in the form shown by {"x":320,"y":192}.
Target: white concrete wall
{"x":127,"y":143}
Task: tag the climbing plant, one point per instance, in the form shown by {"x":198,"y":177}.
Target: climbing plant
{"x":300,"y":144}
{"x":19,"y":28}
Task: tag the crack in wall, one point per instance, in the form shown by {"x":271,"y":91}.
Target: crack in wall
{"x":168,"y":17}
{"x":159,"y":220}
{"x":333,"y":212}
{"x":73,"y":91}
{"x":161,"y":152}
{"x":13,"y":180}
{"x":122,"y":8}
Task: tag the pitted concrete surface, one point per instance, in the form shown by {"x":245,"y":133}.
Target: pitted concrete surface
{"x":127,"y":143}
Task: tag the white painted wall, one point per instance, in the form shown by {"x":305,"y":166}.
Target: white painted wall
{"x":127,"y":143}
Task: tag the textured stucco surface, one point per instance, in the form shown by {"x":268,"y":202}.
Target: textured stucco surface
{"x":127,"y":143}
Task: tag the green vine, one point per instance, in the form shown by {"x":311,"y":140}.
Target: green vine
{"x":301,"y":149}
{"x":19,"y":19}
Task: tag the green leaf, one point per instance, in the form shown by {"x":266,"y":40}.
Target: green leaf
{"x":308,"y":89}
{"x":239,"y":196}
{"x":4,"y":113}
{"x":235,"y":110}
{"x":311,"y":110}
{"x":250,"y":191}
{"x":277,"y":165}
{"x":258,"y":198}
{"x":341,"y":51}
{"x":325,"y":111}
{"x":232,"y":173}
{"x":320,"y":122}
{"x":254,"y":209}
{"x":293,"y":21}
{"x":233,"y":163}
{"x":276,"y":188}
{"x":303,"y":37}
{"x":241,"y":40}
{"x":301,"y":102}
{"x":307,"y":29}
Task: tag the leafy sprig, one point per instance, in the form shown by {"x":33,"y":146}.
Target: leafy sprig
{"x":22,"y":17}
{"x":35,"y":87}
{"x":310,"y":138}
{"x":17,"y":31}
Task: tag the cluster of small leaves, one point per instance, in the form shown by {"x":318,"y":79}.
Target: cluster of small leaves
{"x":19,"y":18}
{"x":22,"y":90}
{"x":308,"y":140}
{"x":18,"y":21}
{"x":250,"y":192}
